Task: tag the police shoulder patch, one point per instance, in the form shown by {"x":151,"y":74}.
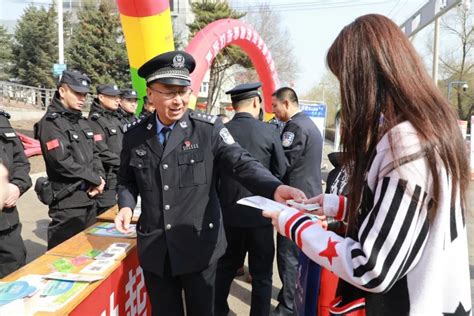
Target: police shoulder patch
{"x":7,"y":115}
{"x":52,"y":116}
{"x":226,"y":136}
{"x":95,"y":116}
{"x":128,"y":127}
{"x":204,"y":117}
{"x":287,"y":139}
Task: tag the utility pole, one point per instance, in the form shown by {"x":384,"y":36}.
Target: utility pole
{"x":60,"y":32}
{"x":436,"y":51}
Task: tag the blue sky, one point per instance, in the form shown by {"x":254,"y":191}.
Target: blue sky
{"x":313,"y":25}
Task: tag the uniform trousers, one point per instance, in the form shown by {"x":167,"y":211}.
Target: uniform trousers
{"x":287,"y":263}
{"x":259,"y":243}
{"x":12,"y":250}
{"x":68,"y":222}
{"x":166,"y":297}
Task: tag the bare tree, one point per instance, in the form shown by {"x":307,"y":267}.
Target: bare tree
{"x":457,"y":63}
{"x":268,"y":24}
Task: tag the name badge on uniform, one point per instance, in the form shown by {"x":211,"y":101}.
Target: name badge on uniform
{"x":188,"y":145}
{"x":183,"y":124}
{"x":287,"y":139}
{"x":140,"y":152}
{"x":226,"y":136}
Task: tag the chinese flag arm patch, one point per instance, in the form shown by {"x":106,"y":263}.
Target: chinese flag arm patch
{"x":52,"y":144}
{"x":97,"y":137}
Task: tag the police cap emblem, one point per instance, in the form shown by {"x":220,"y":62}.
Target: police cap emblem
{"x":178,"y":61}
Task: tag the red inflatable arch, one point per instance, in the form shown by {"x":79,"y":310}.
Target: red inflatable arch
{"x":216,"y":36}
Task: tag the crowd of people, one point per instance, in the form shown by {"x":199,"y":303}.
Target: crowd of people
{"x":398,"y":195}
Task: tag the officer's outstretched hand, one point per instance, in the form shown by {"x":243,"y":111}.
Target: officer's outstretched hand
{"x":123,"y":219}
{"x":284,"y":193}
{"x":13,"y":193}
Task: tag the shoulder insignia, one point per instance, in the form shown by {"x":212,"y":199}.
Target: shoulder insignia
{"x":95,"y":116}
{"x":128,"y":127}
{"x":204,"y":117}
{"x":287,"y":139}
{"x":7,"y":115}
{"x":52,"y":115}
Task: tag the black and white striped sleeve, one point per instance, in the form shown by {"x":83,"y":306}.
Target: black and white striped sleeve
{"x":390,"y":240}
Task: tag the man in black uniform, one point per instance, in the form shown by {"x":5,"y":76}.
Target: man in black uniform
{"x":12,"y":156}
{"x":105,"y":122}
{"x":303,"y":147}
{"x":169,"y":160}
{"x":245,"y":228}
{"x":73,"y":166}
{"x":148,"y":108}
{"x":128,"y":106}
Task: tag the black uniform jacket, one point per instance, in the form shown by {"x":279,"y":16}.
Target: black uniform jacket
{"x":181,"y":215}
{"x":67,"y":144}
{"x":108,"y":136}
{"x":262,"y":141}
{"x":303,"y":145}
{"x":12,"y":156}
{"x":125,"y":117}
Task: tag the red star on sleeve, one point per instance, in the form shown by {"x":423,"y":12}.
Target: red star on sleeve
{"x":330,"y":251}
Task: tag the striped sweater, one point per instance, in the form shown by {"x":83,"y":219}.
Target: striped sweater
{"x":398,"y":263}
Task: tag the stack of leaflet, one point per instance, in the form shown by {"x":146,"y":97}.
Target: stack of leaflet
{"x":11,"y":291}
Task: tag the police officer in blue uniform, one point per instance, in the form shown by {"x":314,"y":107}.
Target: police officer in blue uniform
{"x":170,"y":160}
{"x":12,"y":156}
{"x":246,"y":230}
{"x":73,"y":166}
{"x":303,"y":145}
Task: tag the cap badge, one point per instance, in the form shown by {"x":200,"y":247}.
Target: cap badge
{"x":84,"y":82}
{"x":134,"y":93}
{"x":115,"y":87}
{"x":178,"y":61}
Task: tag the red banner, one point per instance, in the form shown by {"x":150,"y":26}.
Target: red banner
{"x":122,"y":293}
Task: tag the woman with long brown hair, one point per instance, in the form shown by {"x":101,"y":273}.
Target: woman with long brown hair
{"x":405,"y":250}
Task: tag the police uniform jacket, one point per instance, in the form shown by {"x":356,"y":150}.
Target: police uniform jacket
{"x":12,"y":156}
{"x":303,"y":145}
{"x":125,"y":117}
{"x":108,"y":136}
{"x":263,"y":142}
{"x":67,"y":144}
{"x":181,"y":215}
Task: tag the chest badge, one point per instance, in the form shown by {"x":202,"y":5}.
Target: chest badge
{"x":183,"y":124}
{"x":188,"y":145}
{"x":140,"y":152}
{"x":287,"y":139}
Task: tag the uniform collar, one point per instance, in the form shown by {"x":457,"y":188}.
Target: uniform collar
{"x":159,"y":125}
{"x":243,"y":114}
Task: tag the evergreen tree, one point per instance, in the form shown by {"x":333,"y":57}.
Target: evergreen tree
{"x":5,"y":53}
{"x":206,"y":12}
{"x":34,"y":50}
{"x":97,"y":45}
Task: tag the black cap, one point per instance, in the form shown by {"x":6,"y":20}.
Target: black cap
{"x":169,"y":68}
{"x":245,"y":91}
{"x":108,"y":89}
{"x":128,"y":94}
{"x":76,"y":80}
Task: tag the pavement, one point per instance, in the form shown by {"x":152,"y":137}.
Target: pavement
{"x":34,"y":217}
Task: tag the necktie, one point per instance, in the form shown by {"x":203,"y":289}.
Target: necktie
{"x":164,"y":135}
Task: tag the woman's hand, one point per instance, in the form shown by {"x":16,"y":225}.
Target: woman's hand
{"x":319,"y":199}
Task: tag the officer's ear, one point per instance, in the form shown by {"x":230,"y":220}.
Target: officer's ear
{"x":100,"y":97}
{"x":62,"y":91}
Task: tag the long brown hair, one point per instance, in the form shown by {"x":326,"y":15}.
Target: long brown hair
{"x":382,"y":77}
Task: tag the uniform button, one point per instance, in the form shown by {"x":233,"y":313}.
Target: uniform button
{"x":139,"y":165}
{"x":211,"y":225}
{"x":192,"y":161}
{"x":167,"y":207}
{"x":165,"y":166}
{"x":165,"y":187}
{"x":168,"y":227}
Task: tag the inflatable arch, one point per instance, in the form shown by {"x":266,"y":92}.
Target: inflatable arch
{"x":208,"y":42}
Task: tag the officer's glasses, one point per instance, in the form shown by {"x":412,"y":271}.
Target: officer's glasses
{"x":168,"y":95}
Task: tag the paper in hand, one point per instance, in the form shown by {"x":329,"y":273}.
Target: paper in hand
{"x":264,"y":204}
